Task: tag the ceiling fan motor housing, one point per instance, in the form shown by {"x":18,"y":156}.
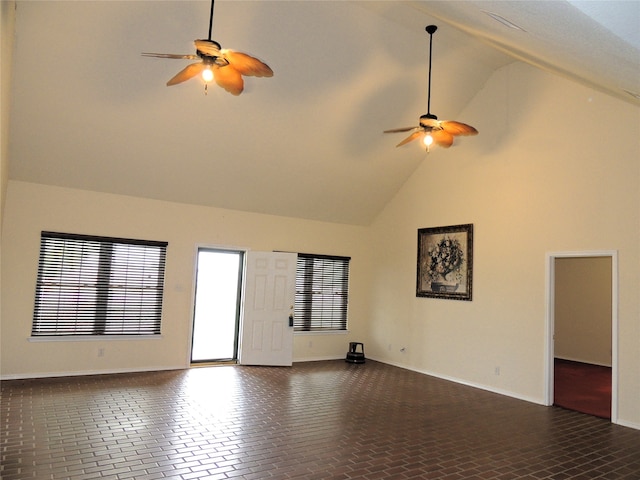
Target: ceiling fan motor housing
{"x":428,"y":121}
{"x":215,"y":44}
{"x":212,"y":54}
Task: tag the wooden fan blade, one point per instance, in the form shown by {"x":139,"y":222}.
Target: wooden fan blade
{"x":396,"y":130}
{"x":229,"y":78}
{"x":247,"y":65}
{"x":410,"y":138}
{"x":187,"y":73}
{"x":169,"y":55}
{"x":442,"y":138}
{"x":457,"y":128}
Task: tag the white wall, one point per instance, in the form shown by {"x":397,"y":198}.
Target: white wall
{"x":7,"y":30}
{"x":556,"y":167}
{"x":32,"y":208}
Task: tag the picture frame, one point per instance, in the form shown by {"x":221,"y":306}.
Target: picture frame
{"x":445,"y":262}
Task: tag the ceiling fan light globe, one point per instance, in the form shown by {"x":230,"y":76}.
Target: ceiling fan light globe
{"x":207,"y":74}
{"x":427,"y":140}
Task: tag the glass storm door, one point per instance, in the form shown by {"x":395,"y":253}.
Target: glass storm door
{"x":217,"y":305}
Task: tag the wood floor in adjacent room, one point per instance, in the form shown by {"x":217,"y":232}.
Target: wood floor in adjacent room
{"x":316,"y":420}
{"x":582,"y":387}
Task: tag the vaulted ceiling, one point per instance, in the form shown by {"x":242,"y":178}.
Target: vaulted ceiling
{"x":89,"y":112}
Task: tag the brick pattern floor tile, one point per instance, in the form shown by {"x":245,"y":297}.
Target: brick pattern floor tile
{"x":313,"y":421}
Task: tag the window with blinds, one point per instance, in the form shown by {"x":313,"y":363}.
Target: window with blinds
{"x":322,"y":293}
{"x":91,"y":285}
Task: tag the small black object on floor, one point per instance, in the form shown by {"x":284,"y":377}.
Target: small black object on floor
{"x":353,"y":356}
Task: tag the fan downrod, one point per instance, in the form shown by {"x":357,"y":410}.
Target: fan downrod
{"x":430,"y":30}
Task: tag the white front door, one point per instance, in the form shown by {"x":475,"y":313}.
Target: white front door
{"x":267,"y":320}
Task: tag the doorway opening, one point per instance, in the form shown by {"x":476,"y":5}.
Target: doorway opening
{"x":216,"y":317}
{"x":582,"y":326}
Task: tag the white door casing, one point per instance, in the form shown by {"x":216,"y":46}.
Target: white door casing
{"x":266,"y":332}
{"x":550,"y":323}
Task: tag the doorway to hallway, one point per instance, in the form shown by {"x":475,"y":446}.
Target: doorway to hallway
{"x":582,"y":332}
{"x":216,"y":318}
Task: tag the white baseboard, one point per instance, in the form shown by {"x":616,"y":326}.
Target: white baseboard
{"x":624,"y":423}
{"x":316,"y":359}
{"x":507,"y":393}
{"x":31,"y":375}
{"x":27,"y":376}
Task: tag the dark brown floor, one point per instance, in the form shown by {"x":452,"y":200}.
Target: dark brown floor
{"x":317,"y":420}
{"x":582,"y":387}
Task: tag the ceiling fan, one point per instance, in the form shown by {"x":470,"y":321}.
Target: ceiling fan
{"x":225,"y":66}
{"x":430,"y":129}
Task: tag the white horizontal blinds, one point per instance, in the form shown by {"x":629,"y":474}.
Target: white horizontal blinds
{"x":98,"y":286}
{"x":322,"y":288}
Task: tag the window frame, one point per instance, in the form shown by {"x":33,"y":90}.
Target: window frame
{"x":91,"y":286}
{"x":309,"y":320}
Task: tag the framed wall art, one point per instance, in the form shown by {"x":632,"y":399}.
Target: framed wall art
{"x":445,"y":262}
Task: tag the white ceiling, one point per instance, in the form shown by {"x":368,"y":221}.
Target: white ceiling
{"x":89,"y":112}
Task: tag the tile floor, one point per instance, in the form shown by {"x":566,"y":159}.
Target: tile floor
{"x":316,"y":420}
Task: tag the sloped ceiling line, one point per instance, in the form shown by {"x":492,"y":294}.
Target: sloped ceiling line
{"x":308,"y":143}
